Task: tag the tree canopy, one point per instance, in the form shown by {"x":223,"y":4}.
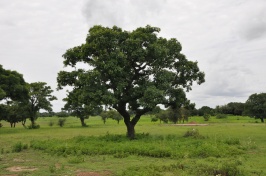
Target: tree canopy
{"x":12,"y":86}
{"x":129,"y":71}
{"x":256,"y":106}
{"x":40,"y":98}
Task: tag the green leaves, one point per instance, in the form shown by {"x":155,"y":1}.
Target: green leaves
{"x":130,"y":69}
{"x":256,"y":106}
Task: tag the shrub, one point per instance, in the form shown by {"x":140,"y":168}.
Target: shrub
{"x":193,"y":133}
{"x":206,"y":117}
{"x":51,"y":123}
{"x":17,"y":147}
{"x":52,"y":168}
{"x":221,"y":116}
{"x":61,"y":122}
{"x":154,"y":119}
{"x":34,"y":126}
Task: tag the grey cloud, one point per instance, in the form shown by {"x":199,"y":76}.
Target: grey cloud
{"x":253,"y":21}
{"x":121,"y":13}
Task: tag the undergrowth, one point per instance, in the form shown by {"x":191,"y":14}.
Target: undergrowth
{"x":158,"y":146}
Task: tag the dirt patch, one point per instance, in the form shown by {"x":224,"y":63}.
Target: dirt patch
{"x":93,"y":174}
{"x":20,"y":169}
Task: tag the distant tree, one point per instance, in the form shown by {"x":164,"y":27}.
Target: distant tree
{"x":62,"y":114}
{"x":77,"y":106}
{"x":12,"y":86}
{"x":46,"y":114}
{"x":255,"y":106}
{"x":129,"y":71}
{"x":16,"y":112}
{"x":40,"y":98}
{"x":113,"y":114}
{"x":13,"y":94}
{"x":162,"y":116}
{"x":236,"y":108}
{"x":104,"y":116}
{"x":205,"y":110}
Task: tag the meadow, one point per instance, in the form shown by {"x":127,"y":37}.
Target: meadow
{"x":232,"y":146}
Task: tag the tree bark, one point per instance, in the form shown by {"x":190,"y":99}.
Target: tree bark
{"x":82,"y":121}
{"x":23,"y":122}
{"x":262,"y":120}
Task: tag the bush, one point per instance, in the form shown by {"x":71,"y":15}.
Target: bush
{"x":18,"y":147}
{"x":34,"y":126}
{"x":206,"y":117}
{"x":51,"y":123}
{"x":154,"y":119}
{"x":61,"y":122}
{"x":221,"y":116}
{"x":193,"y":133}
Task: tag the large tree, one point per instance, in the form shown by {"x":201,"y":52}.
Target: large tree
{"x":255,"y":106}
{"x":129,"y":71}
{"x":12,"y":86}
{"x":13,"y":93}
{"x":40,"y":98}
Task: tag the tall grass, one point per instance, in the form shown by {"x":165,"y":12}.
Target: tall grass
{"x":231,"y":146}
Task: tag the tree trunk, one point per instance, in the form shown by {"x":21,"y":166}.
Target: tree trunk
{"x":262,"y":120}
{"x":32,"y":121}
{"x":130,"y":130}
{"x":23,"y":122}
{"x":82,"y":121}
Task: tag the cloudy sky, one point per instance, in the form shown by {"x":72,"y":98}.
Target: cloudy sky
{"x":227,"y":38}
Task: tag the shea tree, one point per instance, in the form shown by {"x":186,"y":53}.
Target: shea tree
{"x":130,"y":71}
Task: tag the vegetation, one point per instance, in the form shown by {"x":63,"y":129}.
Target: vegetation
{"x":225,"y":147}
{"x":40,"y":98}
{"x":129,"y":71}
{"x":256,"y":106}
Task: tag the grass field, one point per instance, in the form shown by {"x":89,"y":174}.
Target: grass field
{"x":232,"y":146}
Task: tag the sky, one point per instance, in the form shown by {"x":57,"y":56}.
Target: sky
{"x":227,"y":38}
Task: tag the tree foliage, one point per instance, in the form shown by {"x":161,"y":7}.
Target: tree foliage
{"x":255,"y":106}
{"x":13,"y":96}
{"x":12,"y":86}
{"x":129,"y":71}
{"x":75,"y":104}
{"x":40,"y":98}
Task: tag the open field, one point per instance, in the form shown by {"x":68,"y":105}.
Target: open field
{"x":232,"y":146}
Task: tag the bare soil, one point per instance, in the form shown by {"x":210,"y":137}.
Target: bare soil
{"x":20,"y":169}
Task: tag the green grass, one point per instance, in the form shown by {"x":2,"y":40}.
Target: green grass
{"x":231,"y":146}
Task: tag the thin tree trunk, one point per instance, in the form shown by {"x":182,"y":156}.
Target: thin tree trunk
{"x":82,"y":121}
{"x":23,"y":122}
{"x":262,"y":120}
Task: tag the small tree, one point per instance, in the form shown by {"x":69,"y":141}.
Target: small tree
{"x":40,"y":98}
{"x":104,"y":116}
{"x":61,"y":122}
{"x":75,"y":103}
{"x":162,"y":116}
{"x":113,"y":114}
{"x":206,"y":117}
